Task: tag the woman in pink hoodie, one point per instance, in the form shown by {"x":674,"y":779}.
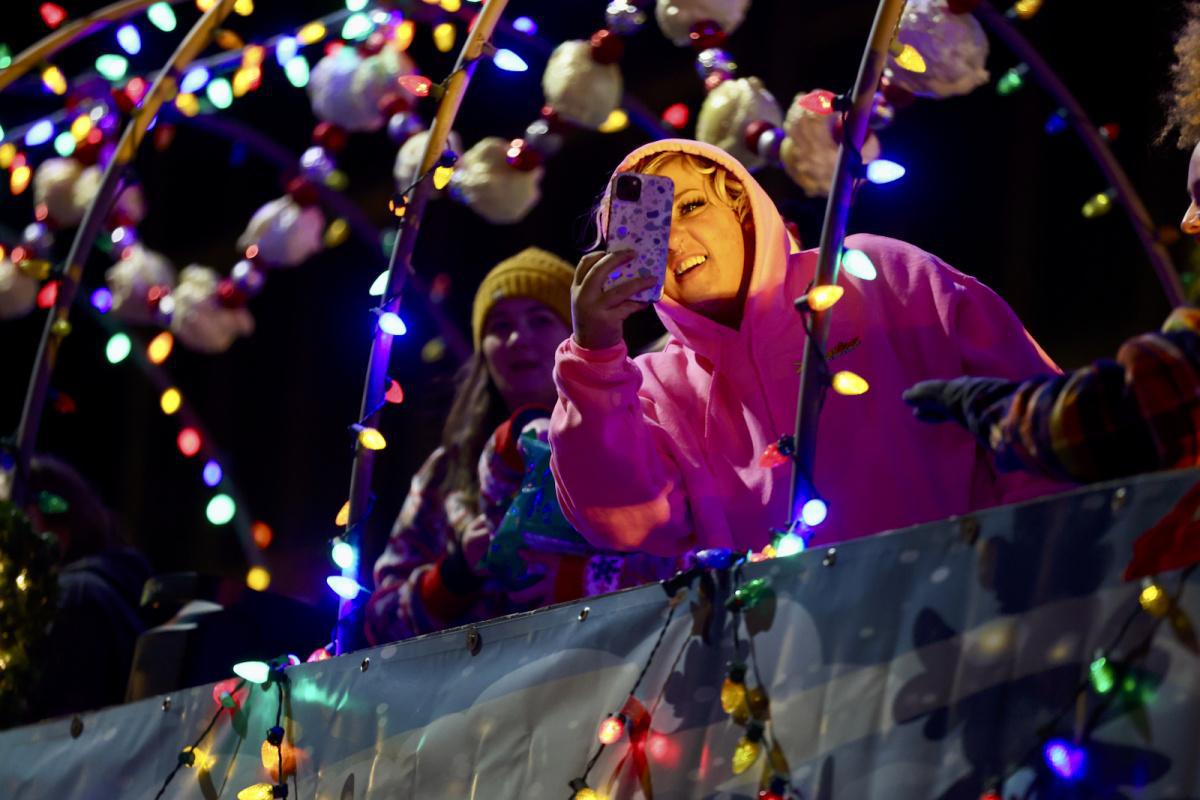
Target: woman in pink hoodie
{"x":662,"y":454}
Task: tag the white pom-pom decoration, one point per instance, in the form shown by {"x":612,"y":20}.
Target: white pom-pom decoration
{"x":578,"y":88}
{"x":728,"y":109}
{"x":199,"y":321}
{"x":408,"y":160}
{"x":676,"y":17}
{"x":54,"y":187}
{"x":809,"y":151}
{"x":953,"y":46}
{"x":18,"y":291}
{"x":346,"y":88}
{"x":66,"y":189}
{"x":132,"y":277}
{"x":286,"y":233}
{"x":497,"y":192}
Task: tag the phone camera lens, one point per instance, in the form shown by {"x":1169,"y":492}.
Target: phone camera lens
{"x":629,"y":188}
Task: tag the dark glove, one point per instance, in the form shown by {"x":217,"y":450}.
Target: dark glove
{"x":963,"y":400}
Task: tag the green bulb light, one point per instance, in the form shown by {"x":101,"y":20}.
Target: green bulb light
{"x":296,"y":70}
{"x":162,"y":16}
{"x":64,"y":144}
{"x":220,"y":93}
{"x":118,"y":348}
{"x":220,"y":509}
{"x":112,"y":66}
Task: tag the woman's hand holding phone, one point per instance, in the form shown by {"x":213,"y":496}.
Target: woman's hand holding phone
{"x":598,"y":316}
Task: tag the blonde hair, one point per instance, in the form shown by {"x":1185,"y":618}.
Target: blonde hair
{"x":725,"y":186}
{"x":1183,"y":110}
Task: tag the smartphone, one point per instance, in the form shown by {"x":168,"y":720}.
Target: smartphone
{"x":639,"y":219}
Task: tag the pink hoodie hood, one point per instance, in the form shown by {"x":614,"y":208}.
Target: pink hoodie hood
{"x":664,"y":454}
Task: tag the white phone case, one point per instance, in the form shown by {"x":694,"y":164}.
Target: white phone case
{"x":644,"y":226}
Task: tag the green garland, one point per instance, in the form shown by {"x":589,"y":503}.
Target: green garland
{"x":28,"y":595}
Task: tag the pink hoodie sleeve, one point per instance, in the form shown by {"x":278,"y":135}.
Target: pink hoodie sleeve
{"x":614,"y":466}
{"x":992,"y":342}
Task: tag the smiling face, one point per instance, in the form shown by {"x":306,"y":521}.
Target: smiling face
{"x":709,"y":251}
{"x":520,"y":337}
{"x":1191,"y":220}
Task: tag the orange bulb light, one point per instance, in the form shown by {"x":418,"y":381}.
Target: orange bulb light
{"x":611,"y":730}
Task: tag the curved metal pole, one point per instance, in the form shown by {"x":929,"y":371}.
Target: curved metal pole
{"x":57,"y":324}
{"x":1097,"y":147}
{"x":813,"y":378}
{"x":68,"y":34}
{"x":399,"y":269}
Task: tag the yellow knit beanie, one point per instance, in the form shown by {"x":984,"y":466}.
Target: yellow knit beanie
{"x":532,"y":273}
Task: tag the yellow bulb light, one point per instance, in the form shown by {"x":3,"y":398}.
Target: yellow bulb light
{"x":1154,"y":600}
{"x":441,"y":177}
{"x":849,"y":383}
{"x":81,"y":126}
{"x":617,"y":120}
{"x":311,"y":33}
{"x":1025,"y":9}
{"x":343,"y":516}
{"x":744,"y":756}
{"x":371,"y":439}
{"x":160,"y":347}
{"x":733,"y":695}
{"x":54,"y":80}
{"x":908,"y":58}
{"x":258,"y":579}
{"x":823,"y":297}
{"x":444,"y":35}
{"x":259,"y":791}
{"x":170,"y":401}
{"x":403,"y":36}
{"x":187,"y":104}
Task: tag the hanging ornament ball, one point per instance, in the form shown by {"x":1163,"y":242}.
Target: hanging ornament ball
{"x":607,"y":47}
{"x":676,"y":18}
{"x":230,"y":295}
{"x":247,"y":277}
{"x":705,"y":34}
{"x":316,"y":164}
{"x":623,"y":17}
{"x":392,"y":103}
{"x":522,"y":157}
{"x":402,"y":126}
{"x":715,"y":62}
{"x":898,"y":96}
{"x":303,"y":191}
{"x":539,"y":136}
{"x":332,"y":137}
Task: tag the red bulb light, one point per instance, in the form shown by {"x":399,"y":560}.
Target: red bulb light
{"x":819,"y":101}
{"x":47,"y":296}
{"x":611,"y":730}
{"x":395,"y":393}
{"x":188,"y":442}
{"x":416,"y":84}
{"x":52,"y":14}
{"x":677,"y":115}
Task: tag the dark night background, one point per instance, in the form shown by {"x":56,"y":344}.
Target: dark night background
{"x":987,"y":190}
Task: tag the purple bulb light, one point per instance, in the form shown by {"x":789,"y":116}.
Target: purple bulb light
{"x":102,"y":300}
{"x":212,"y":473}
{"x":1066,"y":760}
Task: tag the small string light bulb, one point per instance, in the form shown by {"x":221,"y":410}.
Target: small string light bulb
{"x":370,"y":438}
{"x":1153,"y":599}
{"x":733,"y":688}
{"x":846,"y":382}
{"x":611,"y":729}
{"x":252,"y":672}
{"x":823,"y":297}
{"x":910,"y":58}
{"x":749,"y":748}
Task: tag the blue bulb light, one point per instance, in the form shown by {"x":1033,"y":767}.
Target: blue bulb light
{"x":343,"y":587}
{"x":1066,"y":760}
{"x":525,"y":25}
{"x":286,"y":48}
{"x":40,"y":133}
{"x":883,"y":171}
{"x":813,"y":512}
{"x":102,"y":300}
{"x":1056,"y":123}
{"x":193,"y":80}
{"x":509,"y":61}
{"x":343,"y":555}
{"x":129,"y":39}
{"x":391,"y":323}
{"x":212,"y":473}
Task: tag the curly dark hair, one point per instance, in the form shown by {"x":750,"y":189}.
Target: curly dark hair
{"x":1183,"y":100}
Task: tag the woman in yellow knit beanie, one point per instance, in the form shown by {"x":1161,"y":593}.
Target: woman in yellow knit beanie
{"x":423,"y":581}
